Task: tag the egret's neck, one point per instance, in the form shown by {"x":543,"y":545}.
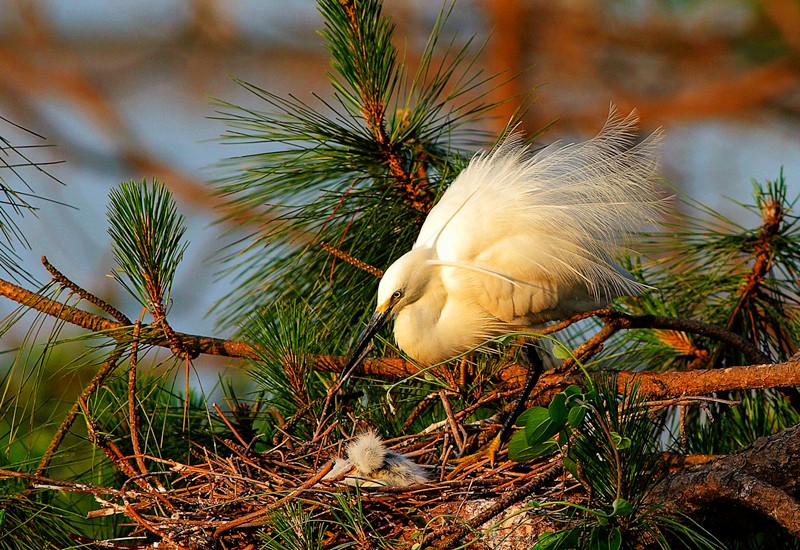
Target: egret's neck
{"x":415,"y":326}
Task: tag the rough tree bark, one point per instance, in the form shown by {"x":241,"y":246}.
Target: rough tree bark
{"x":761,"y":478}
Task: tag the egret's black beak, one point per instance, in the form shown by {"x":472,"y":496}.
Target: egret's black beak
{"x":364,"y":342}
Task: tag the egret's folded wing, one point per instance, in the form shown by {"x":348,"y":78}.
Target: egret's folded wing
{"x":548,"y":221}
{"x":517,"y":290}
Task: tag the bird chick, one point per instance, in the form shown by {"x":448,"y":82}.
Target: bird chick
{"x":369,"y":463}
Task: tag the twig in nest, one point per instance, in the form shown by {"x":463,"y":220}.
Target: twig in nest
{"x":230,"y":425}
{"x":450,"y":536}
{"x":454,"y":426}
{"x":255,"y":518}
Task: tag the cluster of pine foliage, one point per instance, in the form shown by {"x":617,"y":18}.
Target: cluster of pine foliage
{"x":695,"y":372}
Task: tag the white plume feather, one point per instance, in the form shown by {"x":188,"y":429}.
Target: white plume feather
{"x":576,"y":205}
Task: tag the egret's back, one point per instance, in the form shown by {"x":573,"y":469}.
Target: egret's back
{"x":561,"y":212}
{"x":525,"y":238}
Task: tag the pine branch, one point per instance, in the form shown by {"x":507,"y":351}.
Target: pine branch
{"x":614,"y":321}
{"x":670,"y":384}
{"x":114,"y":329}
{"x":357,"y":174}
{"x":373,"y":98}
{"x":100,"y":376}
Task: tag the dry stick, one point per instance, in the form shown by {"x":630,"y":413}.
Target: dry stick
{"x":452,"y":421}
{"x":108,"y":365}
{"x":229,"y":425}
{"x":133,"y":514}
{"x":247,"y":520}
{"x":132,"y":415}
{"x":457,"y":531}
{"x":418,"y":410}
{"x":61,"y":485}
{"x":85,"y":294}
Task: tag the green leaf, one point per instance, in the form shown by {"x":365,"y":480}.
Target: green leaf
{"x":570,"y":466}
{"x":576,"y":415}
{"x":538,"y":426}
{"x":620,"y":442}
{"x":558,"y":410}
{"x":522,"y":419}
{"x":572,"y":390}
{"x":560,"y":540}
{"x":520,"y":451}
{"x":561,"y":352}
{"x":622,"y":507}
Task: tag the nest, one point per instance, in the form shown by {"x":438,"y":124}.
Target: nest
{"x":240,"y":499}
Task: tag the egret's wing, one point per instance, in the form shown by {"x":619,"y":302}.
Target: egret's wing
{"x":537,"y":231}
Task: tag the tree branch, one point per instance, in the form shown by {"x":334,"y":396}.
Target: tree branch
{"x":664,"y":385}
{"x":762,"y":477}
{"x":114,"y":329}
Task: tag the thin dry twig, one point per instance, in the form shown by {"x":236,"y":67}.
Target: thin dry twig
{"x":132,"y":410}
{"x":105,"y":369}
{"x":85,"y":294}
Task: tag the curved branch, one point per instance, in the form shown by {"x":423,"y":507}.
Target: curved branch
{"x":62,"y":279}
{"x":615,"y":320}
{"x":119,"y":331}
{"x":627,"y":321}
{"x":761,"y":477}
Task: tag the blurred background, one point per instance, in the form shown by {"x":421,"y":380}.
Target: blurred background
{"x":125,"y":89}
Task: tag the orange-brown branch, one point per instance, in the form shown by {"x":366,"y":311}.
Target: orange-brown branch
{"x":653,"y":385}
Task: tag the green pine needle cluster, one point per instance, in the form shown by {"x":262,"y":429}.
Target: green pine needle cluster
{"x":17,"y":197}
{"x":147,"y":234}
{"x":358,"y":172}
{"x":28,"y":522}
{"x":612,"y":449}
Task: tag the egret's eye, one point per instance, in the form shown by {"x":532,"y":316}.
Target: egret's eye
{"x":397,"y":294}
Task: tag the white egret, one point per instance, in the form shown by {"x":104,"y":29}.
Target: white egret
{"x":520,"y":238}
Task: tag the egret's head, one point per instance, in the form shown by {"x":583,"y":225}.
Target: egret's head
{"x":402,"y":284}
